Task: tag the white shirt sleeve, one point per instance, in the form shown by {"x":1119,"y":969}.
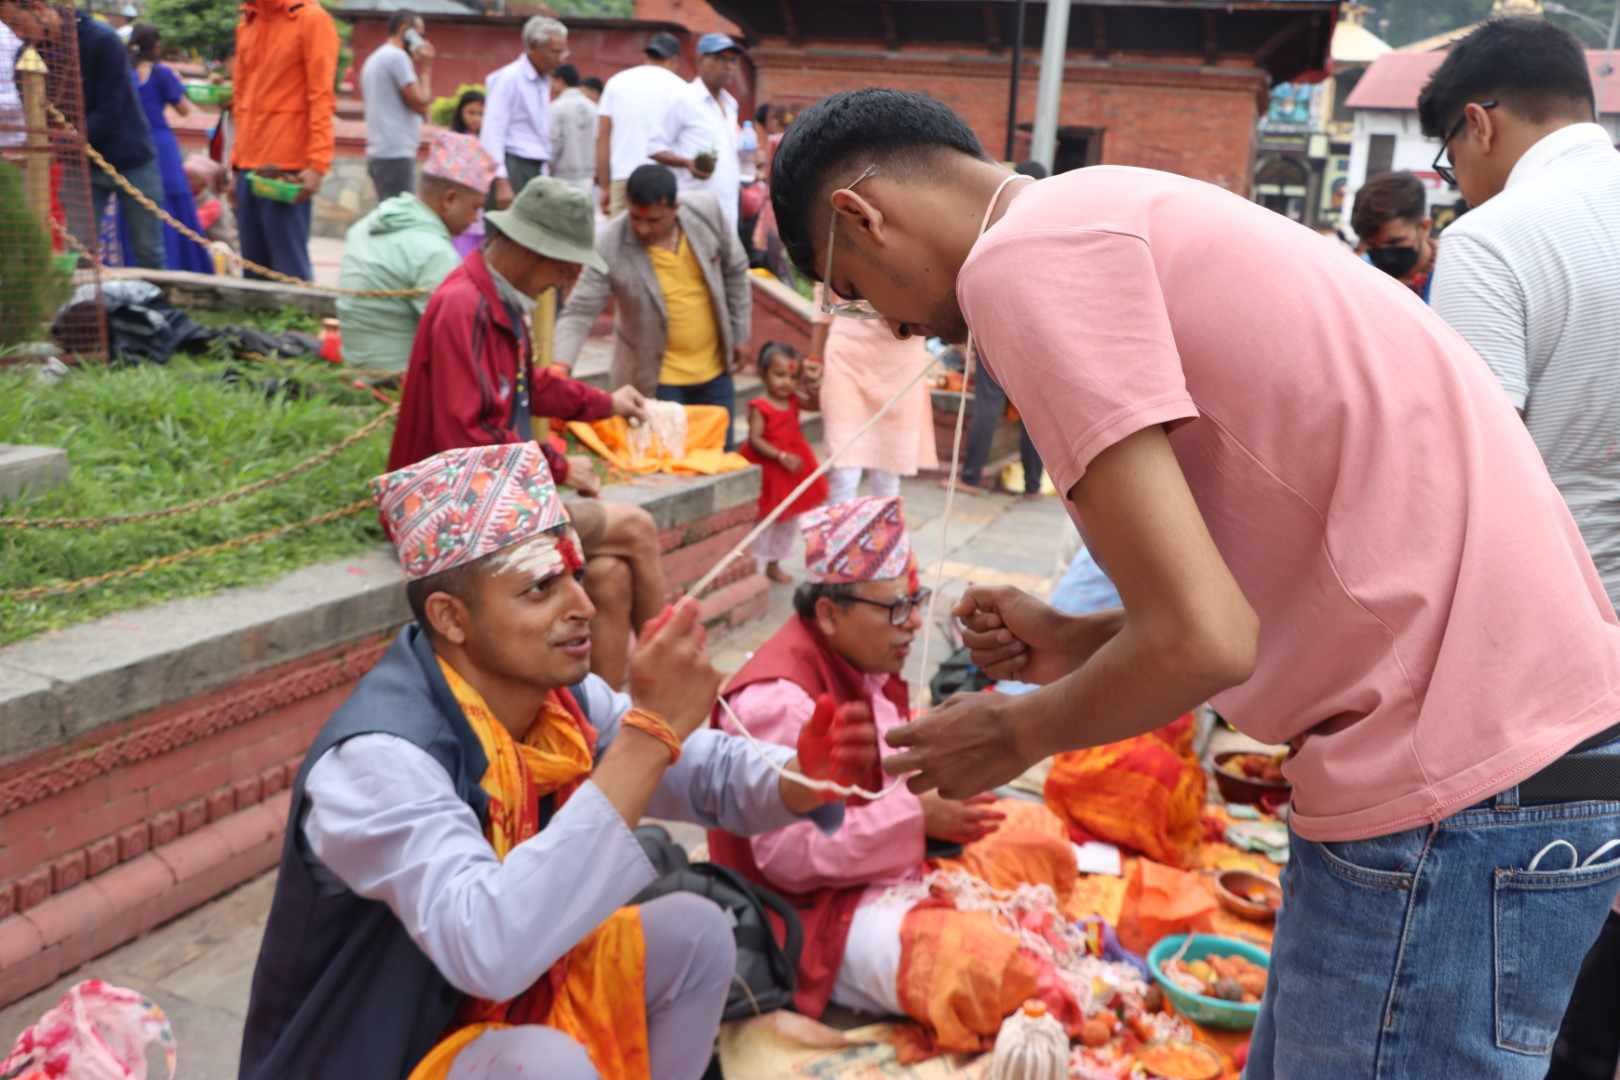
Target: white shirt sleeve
{"x":667,"y":135}
{"x":385,"y":820}
{"x":720,"y":782}
{"x":498,"y":105}
{"x":1477,"y":292}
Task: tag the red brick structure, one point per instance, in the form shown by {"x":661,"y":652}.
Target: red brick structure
{"x":469,"y":47}
{"x":1176,"y":86}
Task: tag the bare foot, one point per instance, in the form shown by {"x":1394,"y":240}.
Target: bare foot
{"x":777,"y":574}
{"x":963,"y":485}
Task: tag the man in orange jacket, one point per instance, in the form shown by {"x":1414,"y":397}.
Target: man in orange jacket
{"x":286,"y":83}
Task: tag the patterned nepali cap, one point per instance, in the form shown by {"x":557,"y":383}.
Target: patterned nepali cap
{"x":863,"y":540}
{"x":461,"y":505}
{"x":461,"y":159}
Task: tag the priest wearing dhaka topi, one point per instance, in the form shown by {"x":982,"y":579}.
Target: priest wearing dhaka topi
{"x":868,"y":945}
{"x":451,"y":898}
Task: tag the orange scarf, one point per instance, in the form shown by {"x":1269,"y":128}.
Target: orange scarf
{"x":594,"y":993}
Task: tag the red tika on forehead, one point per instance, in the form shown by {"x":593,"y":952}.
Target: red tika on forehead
{"x":571,"y":557}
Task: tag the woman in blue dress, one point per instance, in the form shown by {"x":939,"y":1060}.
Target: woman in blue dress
{"x":159,"y":89}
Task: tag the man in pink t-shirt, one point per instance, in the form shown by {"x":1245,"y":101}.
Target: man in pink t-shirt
{"x":1322,"y":516}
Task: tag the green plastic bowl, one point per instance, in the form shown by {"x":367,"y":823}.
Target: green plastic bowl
{"x":268,"y":187}
{"x":1201,"y":1008}
{"x":208,"y":93}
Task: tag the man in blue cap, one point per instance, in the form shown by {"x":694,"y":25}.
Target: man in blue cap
{"x":698,"y":138}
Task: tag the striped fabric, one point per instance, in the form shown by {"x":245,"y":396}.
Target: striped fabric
{"x":1532,"y":280}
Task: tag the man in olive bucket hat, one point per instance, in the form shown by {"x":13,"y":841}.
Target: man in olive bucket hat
{"x":471,"y":381}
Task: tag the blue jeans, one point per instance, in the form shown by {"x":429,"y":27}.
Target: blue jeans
{"x":145,"y":230}
{"x":1438,"y":952}
{"x":273,"y":234}
{"x":720,"y":391}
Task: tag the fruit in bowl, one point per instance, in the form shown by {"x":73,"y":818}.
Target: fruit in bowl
{"x":1246,"y":777}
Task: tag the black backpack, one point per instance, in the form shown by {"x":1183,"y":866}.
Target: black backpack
{"x":767,"y":973}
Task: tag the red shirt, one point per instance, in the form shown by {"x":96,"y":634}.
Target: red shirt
{"x":462,"y":381}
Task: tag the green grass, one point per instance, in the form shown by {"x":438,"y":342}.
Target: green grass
{"x":140,"y":438}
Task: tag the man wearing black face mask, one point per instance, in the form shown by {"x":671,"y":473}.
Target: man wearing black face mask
{"x":1391,"y":218}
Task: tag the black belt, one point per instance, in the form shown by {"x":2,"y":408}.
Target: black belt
{"x":1574,"y":779}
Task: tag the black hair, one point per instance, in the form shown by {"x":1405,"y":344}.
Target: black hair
{"x":1032,"y":168}
{"x":651,"y":185}
{"x":893,"y":128}
{"x":806,"y":595}
{"x":762,"y":114}
{"x":770,"y":350}
{"x":567,"y":74}
{"x":591,"y":82}
{"x":143,"y":42}
{"x":458,"y":123}
{"x":1532,"y":67}
{"x":458,"y":581}
{"x":1395,"y":196}
{"x":400,"y":19}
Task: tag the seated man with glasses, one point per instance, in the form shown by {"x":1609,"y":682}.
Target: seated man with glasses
{"x":857,"y":616}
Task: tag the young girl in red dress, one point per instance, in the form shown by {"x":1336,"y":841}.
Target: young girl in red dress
{"x":778,"y":447}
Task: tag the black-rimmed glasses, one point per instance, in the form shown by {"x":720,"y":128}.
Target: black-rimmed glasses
{"x":899,"y":610}
{"x":1445,"y":171}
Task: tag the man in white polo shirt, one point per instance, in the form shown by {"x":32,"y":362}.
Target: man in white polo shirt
{"x":699,"y":134}
{"x":631,"y":110}
{"x":1531,"y":277}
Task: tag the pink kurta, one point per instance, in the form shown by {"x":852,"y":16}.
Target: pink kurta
{"x":866,"y":365}
{"x":880,"y":843}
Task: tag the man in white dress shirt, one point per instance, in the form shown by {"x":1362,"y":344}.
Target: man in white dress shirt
{"x":517,"y":129}
{"x":630,"y":111}
{"x":698,"y":138}
{"x":1531,"y":277}
{"x":452,"y":894}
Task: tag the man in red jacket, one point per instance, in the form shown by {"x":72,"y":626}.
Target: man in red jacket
{"x":471,"y":381}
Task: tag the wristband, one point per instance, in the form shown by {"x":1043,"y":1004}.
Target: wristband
{"x":652,"y":724}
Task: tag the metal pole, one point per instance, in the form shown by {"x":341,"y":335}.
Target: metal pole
{"x":30,"y":78}
{"x":1017,"y":70}
{"x":1054,"y":50}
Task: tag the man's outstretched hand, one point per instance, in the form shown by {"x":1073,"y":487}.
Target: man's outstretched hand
{"x":961,"y":747}
{"x":1012,"y":635}
{"x":840,"y":744}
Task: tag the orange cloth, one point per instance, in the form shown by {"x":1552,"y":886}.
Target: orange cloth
{"x":961,"y":973}
{"x":285,"y":86}
{"x":1145,"y":793}
{"x":704,"y":453}
{"x":1161,"y":900}
{"x":594,"y":993}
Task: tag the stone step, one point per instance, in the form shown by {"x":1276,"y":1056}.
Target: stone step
{"x":31,"y":469}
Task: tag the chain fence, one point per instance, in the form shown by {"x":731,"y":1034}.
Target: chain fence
{"x":40,"y":591}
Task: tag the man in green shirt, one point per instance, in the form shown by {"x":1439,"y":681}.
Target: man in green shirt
{"x":405,"y":243}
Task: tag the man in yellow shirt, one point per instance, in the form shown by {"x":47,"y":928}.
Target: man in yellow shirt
{"x":682,"y":301}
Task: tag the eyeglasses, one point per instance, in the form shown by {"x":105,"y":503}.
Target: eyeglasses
{"x":849,"y":309}
{"x":1445,"y":171}
{"x":899,"y":610}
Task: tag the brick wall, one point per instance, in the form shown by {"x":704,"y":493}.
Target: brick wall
{"x":1174,"y":115}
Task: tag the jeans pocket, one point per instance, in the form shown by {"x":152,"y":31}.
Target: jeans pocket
{"x":1377,"y":863}
{"x":1545,"y":922}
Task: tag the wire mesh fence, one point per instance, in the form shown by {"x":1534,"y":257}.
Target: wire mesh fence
{"x":48,"y":226}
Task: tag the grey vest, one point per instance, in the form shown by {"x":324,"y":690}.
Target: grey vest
{"x":340,"y":990}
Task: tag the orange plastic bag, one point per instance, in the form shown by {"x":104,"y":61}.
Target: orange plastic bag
{"x":1145,"y":793}
{"x":1161,"y":900}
